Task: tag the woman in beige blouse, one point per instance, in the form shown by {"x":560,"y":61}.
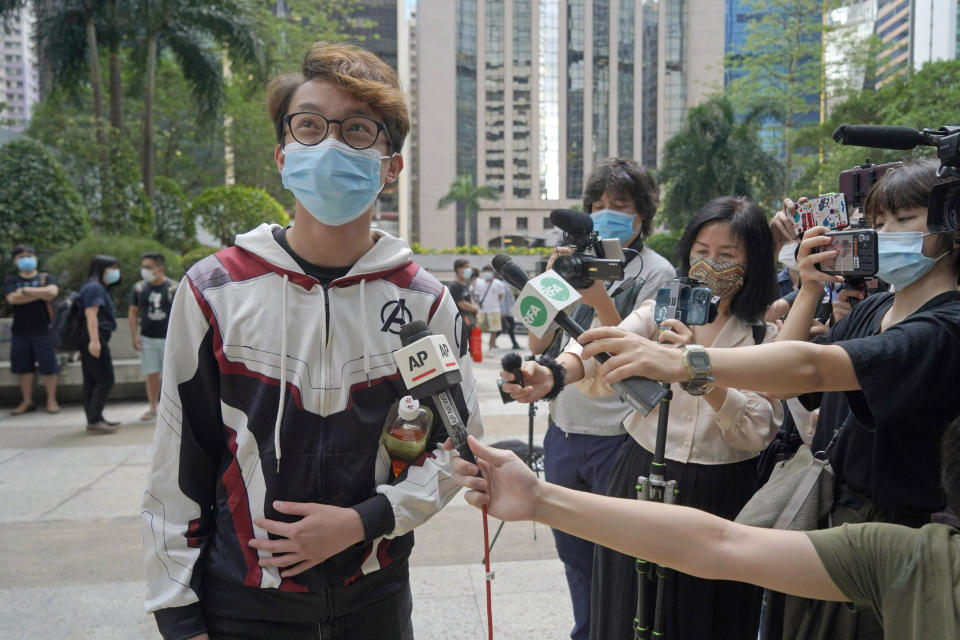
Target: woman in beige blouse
{"x":712,"y":439}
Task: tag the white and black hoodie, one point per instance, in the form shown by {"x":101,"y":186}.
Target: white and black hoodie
{"x":240,"y":427}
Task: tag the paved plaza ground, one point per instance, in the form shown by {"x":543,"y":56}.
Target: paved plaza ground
{"x":70,"y":550}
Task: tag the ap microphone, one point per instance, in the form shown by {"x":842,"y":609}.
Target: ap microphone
{"x":879,"y":137}
{"x":571,"y":222}
{"x":429,"y":368}
{"x":642,"y":394}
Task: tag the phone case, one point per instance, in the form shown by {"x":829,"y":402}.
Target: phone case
{"x":829,"y":210}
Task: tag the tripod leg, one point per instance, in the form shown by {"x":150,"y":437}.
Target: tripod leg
{"x":658,"y":614}
{"x":641,"y":630}
{"x":494,"y":540}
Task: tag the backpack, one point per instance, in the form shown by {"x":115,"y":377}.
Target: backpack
{"x":67,"y":326}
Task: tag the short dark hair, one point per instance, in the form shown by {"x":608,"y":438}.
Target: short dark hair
{"x":906,"y":187}
{"x":22,"y":248}
{"x":459,"y":263}
{"x":749,"y":224}
{"x":99,"y":264}
{"x":156,"y":257}
{"x":950,"y":464}
{"x":624,"y":178}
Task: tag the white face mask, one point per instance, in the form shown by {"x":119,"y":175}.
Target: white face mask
{"x":788,"y":256}
{"x":146,"y":274}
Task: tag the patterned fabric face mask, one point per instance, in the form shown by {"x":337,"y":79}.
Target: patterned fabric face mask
{"x":723,"y":278}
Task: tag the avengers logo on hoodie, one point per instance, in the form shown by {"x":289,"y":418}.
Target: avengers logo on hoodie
{"x":394,"y":315}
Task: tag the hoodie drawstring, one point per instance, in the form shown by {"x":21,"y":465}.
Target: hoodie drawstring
{"x":283,"y":370}
{"x":363,"y":324}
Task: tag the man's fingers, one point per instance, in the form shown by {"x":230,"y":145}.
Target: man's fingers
{"x":476,"y":498}
{"x":280,"y":545}
{"x":275,"y":527}
{"x":461,"y":466}
{"x":485,"y":453}
{"x":598,"y":333}
{"x":294,"y":508}
{"x":281,"y":560}
{"x":300,"y":568}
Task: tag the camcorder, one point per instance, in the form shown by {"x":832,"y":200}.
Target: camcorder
{"x":943,"y":208}
{"x":687,"y":300}
{"x":593,"y":258}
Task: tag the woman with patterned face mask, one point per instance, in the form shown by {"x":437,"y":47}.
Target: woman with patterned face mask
{"x":713,"y":437}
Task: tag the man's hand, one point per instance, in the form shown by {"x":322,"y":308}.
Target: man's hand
{"x":508,"y":488}
{"x":632,"y":355}
{"x":559,"y":251}
{"x":537,"y":380}
{"x":324,"y":531}
{"x":781,"y":226}
{"x":94,"y":348}
{"x":595,"y":295}
{"x":136,"y":342}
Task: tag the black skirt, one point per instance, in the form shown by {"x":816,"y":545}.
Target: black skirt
{"x":695,"y":609}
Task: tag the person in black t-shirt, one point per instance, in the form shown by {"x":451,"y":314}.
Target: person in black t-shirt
{"x":463,"y":297}
{"x":888,"y":371}
{"x":100,"y":321}
{"x":154,"y":295}
{"x":30,"y":293}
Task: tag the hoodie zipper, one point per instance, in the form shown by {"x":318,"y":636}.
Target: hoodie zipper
{"x":324,"y":361}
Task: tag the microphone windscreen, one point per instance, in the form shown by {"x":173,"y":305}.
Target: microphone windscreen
{"x":575,"y":223}
{"x":512,"y":273}
{"x":878,"y":137}
{"x":413,"y":331}
{"x":511,"y":361}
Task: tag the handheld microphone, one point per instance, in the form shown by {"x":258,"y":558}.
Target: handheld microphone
{"x":879,"y":137}
{"x":429,"y":368}
{"x":511,"y":363}
{"x":640,"y":393}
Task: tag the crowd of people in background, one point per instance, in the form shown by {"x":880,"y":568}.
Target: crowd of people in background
{"x":35,"y":345}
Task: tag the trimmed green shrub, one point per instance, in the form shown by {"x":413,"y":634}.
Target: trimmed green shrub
{"x":228,"y":211}
{"x":195,"y":255}
{"x":71,"y":265}
{"x":666,"y":245}
{"x":38,"y":205}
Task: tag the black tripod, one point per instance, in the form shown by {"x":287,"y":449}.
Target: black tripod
{"x":655,"y":488}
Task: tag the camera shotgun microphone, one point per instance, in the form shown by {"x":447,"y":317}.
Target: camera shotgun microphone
{"x":429,"y":368}
{"x":640,"y":393}
{"x":572,"y":222}
{"x":879,"y":137}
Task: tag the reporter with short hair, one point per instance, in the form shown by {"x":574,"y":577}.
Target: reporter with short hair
{"x":712,"y":439}
{"x":882,"y":375}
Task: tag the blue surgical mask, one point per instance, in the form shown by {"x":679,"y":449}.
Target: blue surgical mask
{"x":111,"y":276}
{"x":335,"y":183}
{"x":487,"y":275}
{"x":26,"y":263}
{"x":467,"y":272}
{"x":901,"y":258}
{"x":614,"y":224}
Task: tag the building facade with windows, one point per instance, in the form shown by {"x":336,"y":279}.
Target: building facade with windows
{"x":19,"y":81}
{"x":541,"y":90}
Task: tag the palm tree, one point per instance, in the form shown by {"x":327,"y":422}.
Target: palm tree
{"x":67,"y":34}
{"x":187,"y":28}
{"x":462,"y":190}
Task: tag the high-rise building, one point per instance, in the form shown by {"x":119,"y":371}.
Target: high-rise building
{"x":845,"y":64}
{"x":893,"y":27}
{"x":19,"y":82}
{"x":527,"y":95}
{"x":935,"y":31}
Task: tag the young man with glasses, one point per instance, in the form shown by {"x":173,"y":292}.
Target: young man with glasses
{"x":271,"y":509}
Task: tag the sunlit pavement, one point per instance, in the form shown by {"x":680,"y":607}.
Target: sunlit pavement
{"x":70,"y":551}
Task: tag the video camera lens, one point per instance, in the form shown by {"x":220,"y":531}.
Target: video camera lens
{"x":943,"y":213}
{"x":571,"y":269}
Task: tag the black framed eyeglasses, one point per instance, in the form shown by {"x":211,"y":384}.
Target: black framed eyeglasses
{"x":358,"y":132}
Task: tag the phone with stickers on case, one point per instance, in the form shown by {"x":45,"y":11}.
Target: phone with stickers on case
{"x":828,"y":210}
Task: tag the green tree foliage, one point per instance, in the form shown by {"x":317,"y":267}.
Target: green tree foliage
{"x":778,"y":74}
{"x":72,"y":265}
{"x":189,"y":28}
{"x":463,"y":190}
{"x":195,"y":255}
{"x":665,"y":244}
{"x":713,"y":155}
{"x":228,"y":211}
{"x":927,"y":98}
{"x":38,"y":205}
{"x":105,"y":173}
{"x":173,"y":212}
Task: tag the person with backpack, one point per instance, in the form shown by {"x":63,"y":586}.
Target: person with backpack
{"x":30,"y":292}
{"x":100,"y":321}
{"x":715,"y":432}
{"x":154,"y":295}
